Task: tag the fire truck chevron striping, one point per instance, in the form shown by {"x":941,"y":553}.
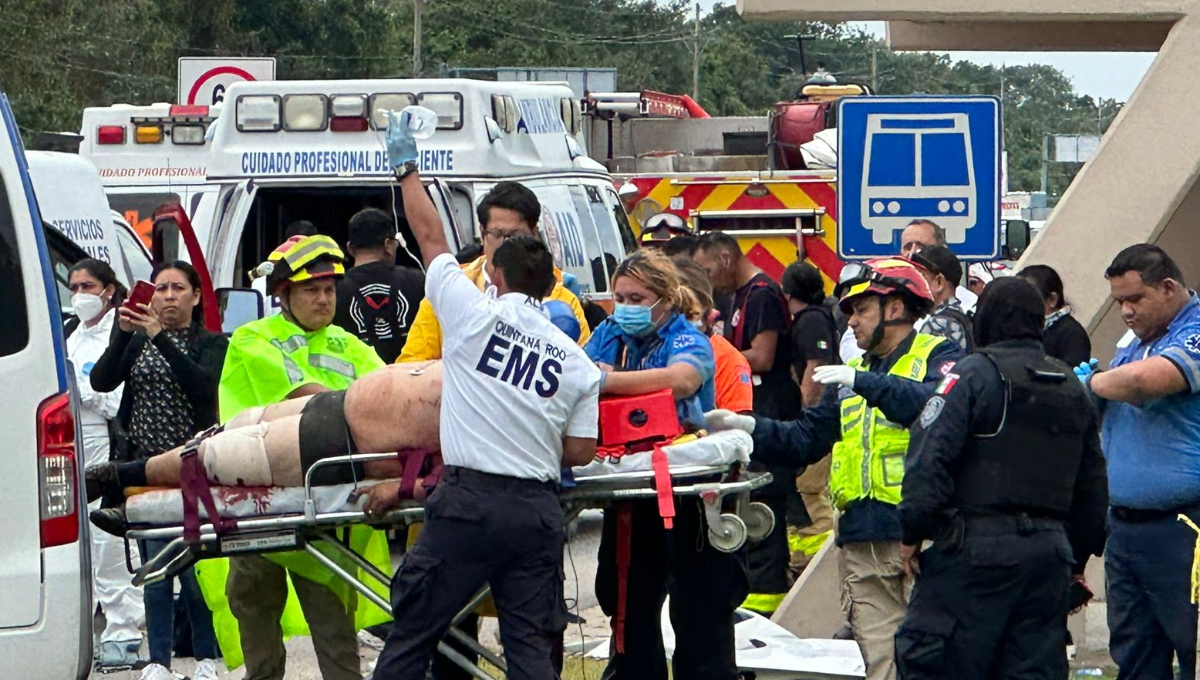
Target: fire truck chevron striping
{"x":764,"y":211}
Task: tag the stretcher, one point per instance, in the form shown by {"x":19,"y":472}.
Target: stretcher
{"x":272,"y":519}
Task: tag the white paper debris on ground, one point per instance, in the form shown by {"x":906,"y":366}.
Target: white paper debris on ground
{"x":774,"y":653}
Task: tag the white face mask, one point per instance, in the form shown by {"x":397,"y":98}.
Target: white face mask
{"x":86,"y":306}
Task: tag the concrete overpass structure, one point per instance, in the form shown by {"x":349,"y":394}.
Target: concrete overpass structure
{"x":1142,"y":185}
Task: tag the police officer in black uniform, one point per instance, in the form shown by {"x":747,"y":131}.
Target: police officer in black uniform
{"x":1004,"y":500}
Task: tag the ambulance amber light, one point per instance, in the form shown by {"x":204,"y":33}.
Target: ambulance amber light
{"x":187,"y":134}
{"x":258,"y":113}
{"x":348,"y":124}
{"x":305,"y":112}
{"x":110,"y":134}
{"x":148,"y":134}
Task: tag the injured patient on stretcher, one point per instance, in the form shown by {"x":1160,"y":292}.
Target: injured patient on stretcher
{"x":393,"y":410}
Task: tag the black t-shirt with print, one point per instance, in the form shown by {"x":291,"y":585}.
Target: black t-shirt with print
{"x":759,"y":307}
{"x":814,"y":338}
{"x":377,"y":302}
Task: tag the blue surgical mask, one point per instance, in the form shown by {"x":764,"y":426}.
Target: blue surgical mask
{"x":634,"y":319}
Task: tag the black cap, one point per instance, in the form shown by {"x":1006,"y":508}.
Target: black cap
{"x":940,"y":260}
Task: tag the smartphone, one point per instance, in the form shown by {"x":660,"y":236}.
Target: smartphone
{"x":140,"y":295}
{"x":1079,"y":596}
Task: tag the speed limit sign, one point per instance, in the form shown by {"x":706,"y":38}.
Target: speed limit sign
{"x":203,"y":80}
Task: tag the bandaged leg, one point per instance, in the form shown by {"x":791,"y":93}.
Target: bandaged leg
{"x":258,"y":455}
{"x":265,"y":414}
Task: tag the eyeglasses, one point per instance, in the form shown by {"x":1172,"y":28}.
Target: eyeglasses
{"x":503,"y":236}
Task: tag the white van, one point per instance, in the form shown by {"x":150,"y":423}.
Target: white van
{"x":314,"y":150}
{"x":149,"y":156}
{"x":72,"y":202}
{"x":45,"y":575}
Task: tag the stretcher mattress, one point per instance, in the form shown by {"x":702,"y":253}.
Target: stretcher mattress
{"x":165,"y":506}
{"x":720,"y":449}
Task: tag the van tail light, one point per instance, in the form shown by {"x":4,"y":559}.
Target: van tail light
{"x":56,"y":472}
{"x":110,"y":134}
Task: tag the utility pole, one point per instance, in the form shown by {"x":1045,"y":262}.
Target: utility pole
{"x":696,"y":56}
{"x":418,"y":6}
{"x":874,"y":70}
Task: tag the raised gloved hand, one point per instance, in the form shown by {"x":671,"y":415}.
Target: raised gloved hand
{"x":835,"y":375}
{"x":1086,"y":370}
{"x":401,"y":146}
{"x":721,"y":420}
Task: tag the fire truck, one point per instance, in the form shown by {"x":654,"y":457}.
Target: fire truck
{"x":769,"y":180}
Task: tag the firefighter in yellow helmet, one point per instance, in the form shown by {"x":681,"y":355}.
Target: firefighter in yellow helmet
{"x":293,"y":354}
{"x":864,"y":417}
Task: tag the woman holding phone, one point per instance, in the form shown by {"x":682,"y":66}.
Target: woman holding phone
{"x":170,"y":367}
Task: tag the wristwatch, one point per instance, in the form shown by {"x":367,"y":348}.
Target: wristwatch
{"x":405,"y":169}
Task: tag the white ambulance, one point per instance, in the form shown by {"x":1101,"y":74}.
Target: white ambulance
{"x":314,"y":150}
{"x":149,"y":156}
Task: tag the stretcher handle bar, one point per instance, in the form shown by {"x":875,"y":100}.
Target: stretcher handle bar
{"x":462,"y":662}
{"x":338,"y":460}
{"x":354,"y":557}
{"x":291,"y":521}
{"x":473,"y":645}
{"x":723,"y":488}
{"x":377,"y":600}
{"x":169,"y":562}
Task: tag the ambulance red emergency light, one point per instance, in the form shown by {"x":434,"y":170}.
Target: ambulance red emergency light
{"x":149,"y":156}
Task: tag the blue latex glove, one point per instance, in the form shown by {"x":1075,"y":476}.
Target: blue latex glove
{"x":401,"y":147}
{"x":1086,"y":370}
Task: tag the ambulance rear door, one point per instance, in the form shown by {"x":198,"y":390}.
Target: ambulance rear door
{"x":234,"y":204}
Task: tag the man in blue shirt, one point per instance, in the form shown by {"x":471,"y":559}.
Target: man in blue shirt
{"x":1151,"y":438}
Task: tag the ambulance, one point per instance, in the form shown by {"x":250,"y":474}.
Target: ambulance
{"x":314,"y":150}
{"x":149,"y":156}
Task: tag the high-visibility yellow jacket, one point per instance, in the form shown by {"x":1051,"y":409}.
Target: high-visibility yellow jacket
{"x":868,"y":462}
{"x":425,"y":336}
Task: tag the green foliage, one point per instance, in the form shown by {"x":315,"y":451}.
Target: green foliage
{"x":57,"y":57}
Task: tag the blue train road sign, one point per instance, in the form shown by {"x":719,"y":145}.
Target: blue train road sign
{"x":907,"y":158}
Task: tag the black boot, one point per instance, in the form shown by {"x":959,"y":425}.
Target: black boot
{"x":109,"y":481}
{"x":110,"y":520}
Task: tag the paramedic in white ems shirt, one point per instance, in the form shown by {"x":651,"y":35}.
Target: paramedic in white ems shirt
{"x":519,"y":401}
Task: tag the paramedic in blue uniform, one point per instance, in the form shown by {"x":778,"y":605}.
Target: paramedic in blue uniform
{"x":1150,"y":400}
{"x":647,"y":345}
{"x":519,"y":401}
{"x":1005,"y":488}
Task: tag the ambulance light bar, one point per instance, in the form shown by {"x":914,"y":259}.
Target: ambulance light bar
{"x":305,"y":112}
{"x":182,"y":111}
{"x":110,"y":134}
{"x":258,"y":113}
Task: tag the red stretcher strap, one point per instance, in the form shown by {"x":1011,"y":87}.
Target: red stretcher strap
{"x":662,"y":484}
{"x":193,"y":485}
{"x":624,"y":538}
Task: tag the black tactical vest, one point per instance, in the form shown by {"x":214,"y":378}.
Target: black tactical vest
{"x":1031,"y":463}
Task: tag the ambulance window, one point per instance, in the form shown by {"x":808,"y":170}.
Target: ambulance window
{"x":623,"y":227}
{"x":138,"y":210}
{"x":589,"y":252}
{"x":136,"y":264}
{"x":610,"y":236}
{"x":14,"y":317}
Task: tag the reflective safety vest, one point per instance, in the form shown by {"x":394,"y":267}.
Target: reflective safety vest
{"x":869,"y":460}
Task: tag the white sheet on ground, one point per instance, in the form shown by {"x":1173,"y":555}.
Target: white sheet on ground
{"x":717,"y":449}
{"x":773,"y":653}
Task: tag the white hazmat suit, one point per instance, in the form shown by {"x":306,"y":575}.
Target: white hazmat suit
{"x":118,"y":598}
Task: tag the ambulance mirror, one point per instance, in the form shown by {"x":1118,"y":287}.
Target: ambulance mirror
{"x":1016,"y":238}
{"x":239,"y":306}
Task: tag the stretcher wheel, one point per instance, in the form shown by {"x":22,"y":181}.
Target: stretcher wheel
{"x":729,"y":535}
{"x":759,"y":519}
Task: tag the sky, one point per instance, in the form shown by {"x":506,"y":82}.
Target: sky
{"x":1107,"y":75}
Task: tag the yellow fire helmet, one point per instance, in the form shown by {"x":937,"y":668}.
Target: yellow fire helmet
{"x":302,"y":258}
